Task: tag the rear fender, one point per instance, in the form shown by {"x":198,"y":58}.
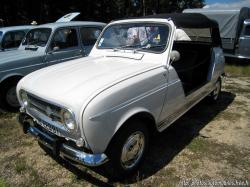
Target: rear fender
{"x":216,"y":68}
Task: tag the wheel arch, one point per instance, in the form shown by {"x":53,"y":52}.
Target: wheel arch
{"x":14,"y":77}
{"x":142,"y":115}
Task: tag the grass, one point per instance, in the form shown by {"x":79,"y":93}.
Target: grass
{"x":198,"y":145}
{"x":23,"y":168}
{"x":195,"y":165}
{"x":3,"y":183}
{"x":36,"y":180}
{"x":215,"y":151}
{"x":230,"y":116}
{"x":240,"y":103}
{"x":18,"y":169}
{"x":237,"y":70}
{"x":237,"y":89}
{"x":5,"y":115}
{"x":20,"y":166}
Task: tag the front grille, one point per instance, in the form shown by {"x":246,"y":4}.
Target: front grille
{"x":51,"y":111}
{"x":48,"y":116}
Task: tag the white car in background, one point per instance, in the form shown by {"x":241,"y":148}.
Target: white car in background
{"x":100,"y":110}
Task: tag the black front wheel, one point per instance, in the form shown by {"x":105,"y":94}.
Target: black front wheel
{"x":127,"y":149}
{"x":8,"y":97}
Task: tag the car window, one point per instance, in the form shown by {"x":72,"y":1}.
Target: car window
{"x":12,"y":39}
{"x":64,"y":38}
{"x":89,"y":35}
{"x":1,"y":35}
{"x":149,"y":37}
{"x":247,"y":30}
{"x":199,"y":34}
{"x":37,"y":37}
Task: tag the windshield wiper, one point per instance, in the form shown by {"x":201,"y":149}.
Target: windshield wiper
{"x":126,"y":47}
{"x":149,"y":46}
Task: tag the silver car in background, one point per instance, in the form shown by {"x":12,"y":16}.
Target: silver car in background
{"x":43,"y":46}
{"x":11,"y":37}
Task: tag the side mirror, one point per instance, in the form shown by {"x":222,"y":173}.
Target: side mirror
{"x":56,"y":48}
{"x":175,"y":56}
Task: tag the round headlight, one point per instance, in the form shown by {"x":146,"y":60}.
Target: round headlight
{"x":24,"y":98}
{"x":68,"y":120}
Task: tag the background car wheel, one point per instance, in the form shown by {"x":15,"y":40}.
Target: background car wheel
{"x":8,"y":98}
{"x":214,"y":96}
{"x":127,"y":150}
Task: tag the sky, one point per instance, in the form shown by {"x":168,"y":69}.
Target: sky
{"x":227,"y":3}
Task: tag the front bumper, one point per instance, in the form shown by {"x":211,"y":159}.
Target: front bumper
{"x":59,"y":146}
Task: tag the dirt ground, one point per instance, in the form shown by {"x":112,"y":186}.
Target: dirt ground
{"x":210,"y":142}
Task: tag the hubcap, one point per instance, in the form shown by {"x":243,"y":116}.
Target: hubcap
{"x":132,"y":150}
{"x":11,"y":97}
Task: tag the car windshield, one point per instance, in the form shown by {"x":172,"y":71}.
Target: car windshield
{"x":136,"y":36}
{"x":37,"y":37}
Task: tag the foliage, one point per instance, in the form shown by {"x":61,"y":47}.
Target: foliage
{"x":17,"y":12}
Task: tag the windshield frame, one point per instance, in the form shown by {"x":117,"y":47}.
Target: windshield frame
{"x":137,"y":49}
{"x":40,"y":28}
{"x":1,"y":35}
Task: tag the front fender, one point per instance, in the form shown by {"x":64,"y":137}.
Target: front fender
{"x":109,"y":110}
{"x":130,"y":113}
{"x":20,"y":67}
{"x":99,"y":133}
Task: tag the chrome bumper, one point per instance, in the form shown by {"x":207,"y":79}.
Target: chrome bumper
{"x":59,"y":147}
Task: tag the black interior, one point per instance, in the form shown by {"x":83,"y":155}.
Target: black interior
{"x":192,"y":68}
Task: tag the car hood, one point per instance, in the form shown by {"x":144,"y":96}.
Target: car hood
{"x":6,"y":58}
{"x":74,"y":83}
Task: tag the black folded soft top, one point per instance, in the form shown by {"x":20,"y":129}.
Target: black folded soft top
{"x":187,"y":20}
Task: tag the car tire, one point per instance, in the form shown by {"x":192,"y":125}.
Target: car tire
{"x":8,"y":98}
{"x":215,"y":94}
{"x":127,"y":150}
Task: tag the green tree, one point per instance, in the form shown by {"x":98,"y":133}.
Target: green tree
{"x":17,"y":12}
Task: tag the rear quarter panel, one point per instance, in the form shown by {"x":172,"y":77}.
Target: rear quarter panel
{"x":217,"y":64}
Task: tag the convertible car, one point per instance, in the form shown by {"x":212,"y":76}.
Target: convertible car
{"x":141,"y":75}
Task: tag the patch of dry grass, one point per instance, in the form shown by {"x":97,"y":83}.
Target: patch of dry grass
{"x":181,"y":152}
{"x":237,"y":70}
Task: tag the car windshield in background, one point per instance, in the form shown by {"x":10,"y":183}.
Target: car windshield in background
{"x":136,"y":36}
{"x":37,"y":37}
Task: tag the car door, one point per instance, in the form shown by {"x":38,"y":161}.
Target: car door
{"x":64,"y":46}
{"x":244,"y":42}
{"x":175,"y":98}
{"x":89,"y":36}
